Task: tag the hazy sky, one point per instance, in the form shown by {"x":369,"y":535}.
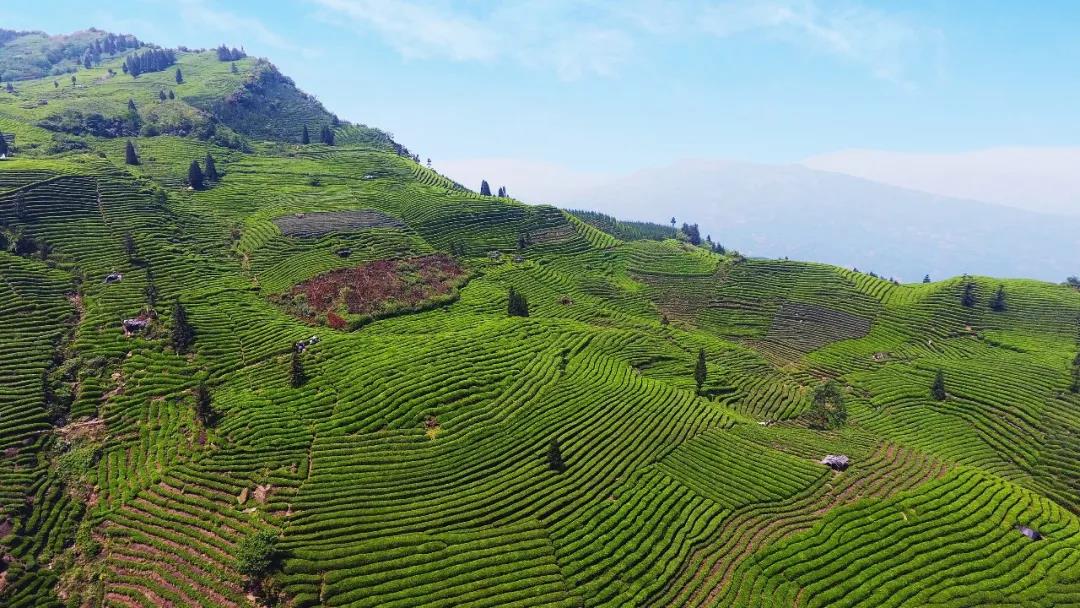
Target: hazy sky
{"x":611,"y":86}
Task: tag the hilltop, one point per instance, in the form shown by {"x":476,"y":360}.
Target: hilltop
{"x":331,"y":376}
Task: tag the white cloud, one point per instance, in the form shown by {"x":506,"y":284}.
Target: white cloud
{"x":597,"y":37}
{"x":883,"y":43}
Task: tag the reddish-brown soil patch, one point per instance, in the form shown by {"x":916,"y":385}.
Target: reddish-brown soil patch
{"x":349,"y":297}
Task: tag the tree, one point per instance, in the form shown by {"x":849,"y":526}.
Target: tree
{"x":195,"y":176}
{"x":183,"y":334}
{"x":296,"y":370}
{"x":150,"y":292}
{"x":233,"y":68}
{"x":502,"y":191}
{"x":204,"y":413}
{"x":517,"y":305}
{"x":3,"y":144}
{"x":997,"y":303}
{"x":211,"y":168}
{"x":129,"y":246}
{"x":172,"y":95}
{"x":673,"y":222}
{"x":700,"y":370}
{"x":937,"y":389}
{"x":161,"y":95}
{"x":179,"y":76}
{"x":554,"y":457}
{"x":1073,"y":282}
{"x":692,"y":233}
{"x":485,"y":189}
{"x":256,"y":554}
{"x":968,"y":297}
{"x":304,"y":137}
{"x":827,"y":410}
{"x":130,"y":156}
{"x":131,"y":105}
{"x":926,"y":279}
{"x":327,"y":135}
{"x":73,"y":80}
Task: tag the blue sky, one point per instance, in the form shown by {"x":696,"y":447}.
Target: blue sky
{"x":613,"y":86}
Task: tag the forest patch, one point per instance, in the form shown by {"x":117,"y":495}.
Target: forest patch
{"x":350,"y":297}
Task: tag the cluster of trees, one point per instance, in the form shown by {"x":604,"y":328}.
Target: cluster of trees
{"x":692,"y":233}
{"x":517,"y":305}
{"x":109,"y":45}
{"x":4,"y":150}
{"x":969,"y":300}
{"x":326,"y":136}
{"x":485,"y":188}
{"x":224,"y":53}
{"x":555,"y":458}
{"x":152,"y":60}
{"x":163,"y":96}
{"x":198,"y":177}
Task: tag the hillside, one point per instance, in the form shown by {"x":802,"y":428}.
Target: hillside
{"x":350,"y":417}
{"x":798,"y":212}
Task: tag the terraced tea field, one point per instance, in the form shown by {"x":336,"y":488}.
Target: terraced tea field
{"x":434,"y":450}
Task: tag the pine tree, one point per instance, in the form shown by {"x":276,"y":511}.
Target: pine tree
{"x":968,"y":297}
{"x":517,"y":305}
{"x":182,"y":333}
{"x":195,"y":176}
{"x":305,"y":139}
{"x":179,"y":77}
{"x":485,"y":189}
{"x":73,"y":80}
{"x":937,"y":389}
{"x":131,"y":105}
{"x":700,"y":370}
{"x":327,"y":135}
{"x":211,"y":168}
{"x":997,"y":303}
{"x":296,"y":370}
{"x":3,"y":144}
{"x":150,"y":292}
{"x":554,"y":457}
{"x":130,"y":156}
{"x":172,"y":95}
{"x":161,"y":95}
{"x":129,"y":246}
{"x":204,"y":413}
{"x":926,"y":279}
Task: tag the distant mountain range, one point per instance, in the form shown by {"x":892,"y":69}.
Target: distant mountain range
{"x":802,"y":213}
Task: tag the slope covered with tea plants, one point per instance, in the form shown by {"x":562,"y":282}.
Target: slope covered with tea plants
{"x":329,"y":376}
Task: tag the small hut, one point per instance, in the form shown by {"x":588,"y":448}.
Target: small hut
{"x":1029,"y":532}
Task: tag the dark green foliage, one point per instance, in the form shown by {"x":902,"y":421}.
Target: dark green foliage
{"x":937,"y":389}
{"x":131,"y":106}
{"x":926,"y":279}
{"x":3,"y":144}
{"x":224,"y":53}
{"x":77,"y":123}
{"x":129,"y":246}
{"x":179,"y":76}
{"x":622,"y":229}
{"x":692,"y":233}
{"x":234,"y":69}
{"x":485,"y":189}
{"x":172,"y":95}
{"x":517,"y":305}
{"x":296,"y":370}
{"x":304,"y":137}
{"x":326,"y":136}
{"x":997,"y":303}
{"x":130,"y":156}
{"x":256,"y":554}
{"x":36,"y":55}
{"x":161,"y":95}
{"x":183,"y":334}
{"x":502,"y":191}
{"x":151,"y":60}
{"x":211,"y":172}
{"x":196,"y":179}
{"x":204,"y":412}
{"x":150,"y":292}
{"x":827,"y":411}
{"x":968,"y":296}
{"x":700,"y":370}
{"x":555,"y":458}
{"x":1073,"y":282}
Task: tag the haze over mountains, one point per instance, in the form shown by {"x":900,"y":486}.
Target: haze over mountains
{"x":803,"y":213}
